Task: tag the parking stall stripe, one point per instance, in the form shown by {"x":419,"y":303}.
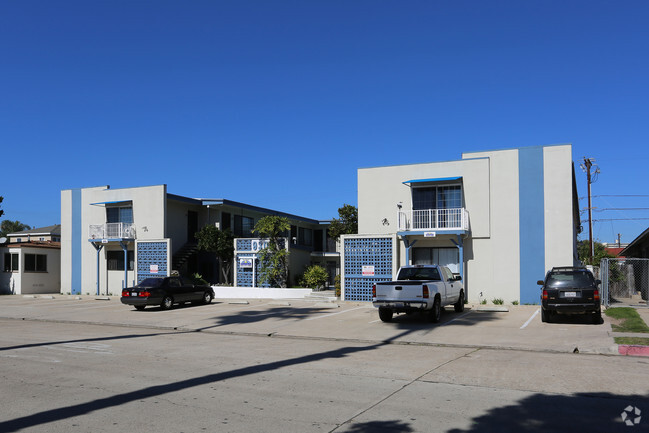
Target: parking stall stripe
{"x":457,"y":318}
{"x":530,"y":319}
{"x":334,"y":314}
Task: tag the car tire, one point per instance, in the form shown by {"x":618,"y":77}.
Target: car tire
{"x":597,"y":318}
{"x":167,"y":303}
{"x":140,"y":307}
{"x":459,"y":305}
{"x":385,"y":314}
{"x":545,"y":316}
{"x":436,"y":312}
{"x":207,"y":298}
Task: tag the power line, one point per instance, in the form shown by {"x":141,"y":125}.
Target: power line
{"x":618,"y":219}
{"x":619,"y":208}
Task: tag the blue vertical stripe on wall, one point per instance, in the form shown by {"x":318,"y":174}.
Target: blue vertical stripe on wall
{"x":76,"y":238}
{"x":532,"y":222}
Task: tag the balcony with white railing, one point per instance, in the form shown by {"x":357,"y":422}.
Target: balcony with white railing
{"x":433,"y":219}
{"x":112,"y":231}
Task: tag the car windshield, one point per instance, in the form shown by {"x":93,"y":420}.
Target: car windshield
{"x":421,"y":274}
{"x":571,"y":278}
{"x":151,"y":282}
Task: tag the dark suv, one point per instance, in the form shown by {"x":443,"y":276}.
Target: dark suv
{"x":570,"y":290}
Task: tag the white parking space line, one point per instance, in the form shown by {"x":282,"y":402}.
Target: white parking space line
{"x":530,"y":319}
{"x":335,"y":314}
{"x":457,"y":318}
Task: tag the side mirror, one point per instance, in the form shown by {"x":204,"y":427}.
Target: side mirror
{"x":458,"y":278}
{"x":539,"y":282}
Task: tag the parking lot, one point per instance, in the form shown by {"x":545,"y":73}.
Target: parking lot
{"x":519,"y":327}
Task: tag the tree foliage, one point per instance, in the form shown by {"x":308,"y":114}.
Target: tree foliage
{"x":220,"y":242}
{"x":346,"y":223}
{"x":583,"y":251}
{"x":8,"y":226}
{"x":273,"y":258}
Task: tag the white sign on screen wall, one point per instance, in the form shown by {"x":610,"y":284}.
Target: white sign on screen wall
{"x":368,"y":271}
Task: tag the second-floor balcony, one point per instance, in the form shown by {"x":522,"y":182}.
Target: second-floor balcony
{"x":433,"y":219}
{"x":112,"y":231}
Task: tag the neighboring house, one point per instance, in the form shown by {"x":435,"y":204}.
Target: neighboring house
{"x":639,"y":248}
{"x":500,"y":219}
{"x":117,"y":237}
{"x":31,"y":261}
{"x":42,"y":234}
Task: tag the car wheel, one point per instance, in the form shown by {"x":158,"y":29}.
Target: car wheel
{"x":207,"y":298}
{"x":459,"y":305}
{"x":385,"y":314}
{"x":436,"y":312}
{"x":167,"y":303}
{"x":545,"y":316}
{"x":597,"y":318}
{"x":140,"y":307}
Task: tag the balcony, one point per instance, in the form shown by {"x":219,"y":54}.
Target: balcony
{"x":433,"y":219}
{"x":112,"y":231}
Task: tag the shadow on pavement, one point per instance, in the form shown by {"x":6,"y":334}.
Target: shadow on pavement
{"x":548,"y":413}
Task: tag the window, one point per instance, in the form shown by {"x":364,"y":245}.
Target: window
{"x":35,"y":263}
{"x":449,"y":257}
{"x":243,"y":225}
{"x":115,"y":260}
{"x":11,"y":262}
{"x":305,"y":237}
{"x":119,"y":214}
{"x":437,"y":197}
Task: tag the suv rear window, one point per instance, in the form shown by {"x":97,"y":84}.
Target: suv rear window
{"x":570,"y":278}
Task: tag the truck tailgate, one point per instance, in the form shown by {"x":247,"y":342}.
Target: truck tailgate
{"x":399,"y":290}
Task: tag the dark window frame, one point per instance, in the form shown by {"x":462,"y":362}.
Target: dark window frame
{"x":35,"y":262}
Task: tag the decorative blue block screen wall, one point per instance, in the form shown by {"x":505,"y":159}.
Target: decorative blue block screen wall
{"x":152,"y":259}
{"x":247,"y":265}
{"x":366,"y":261}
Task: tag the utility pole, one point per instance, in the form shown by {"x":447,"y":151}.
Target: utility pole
{"x":586,"y":166}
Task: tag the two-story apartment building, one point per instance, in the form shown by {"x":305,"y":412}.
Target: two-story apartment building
{"x":499,"y":219}
{"x":116,"y":237}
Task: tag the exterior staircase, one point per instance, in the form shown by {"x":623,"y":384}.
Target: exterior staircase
{"x":322,"y":296}
{"x":183,"y":254}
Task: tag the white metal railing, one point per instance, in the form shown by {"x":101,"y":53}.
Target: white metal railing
{"x":112,"y":231}
{"x":433,"y":219}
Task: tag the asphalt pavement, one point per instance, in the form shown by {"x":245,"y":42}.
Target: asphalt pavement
{"x":514,"y":327}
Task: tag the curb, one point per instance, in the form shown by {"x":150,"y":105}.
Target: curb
{"x":631,"y":350}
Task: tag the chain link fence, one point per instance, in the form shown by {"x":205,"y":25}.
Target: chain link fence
{"x":624,"y":281}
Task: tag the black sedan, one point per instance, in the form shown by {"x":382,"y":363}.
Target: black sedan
{"x":570,"y":290}
{"x":165,"y":292}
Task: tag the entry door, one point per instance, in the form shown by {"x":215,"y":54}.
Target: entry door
{"x":192,"y":225}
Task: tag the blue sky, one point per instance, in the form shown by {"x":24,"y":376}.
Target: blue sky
{"x":278,"y":103}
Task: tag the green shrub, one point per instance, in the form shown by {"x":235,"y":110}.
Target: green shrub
{"x":337,"y":285}
{"x":483,"y":302}
{"x":498,"y":301}
{"x":315,"y":277}
{"x":515,"y":303}
{"x":197,"y":280}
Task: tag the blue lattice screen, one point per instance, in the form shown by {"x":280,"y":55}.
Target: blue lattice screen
{"x":370,"y":251}
{"x":152,"y":253}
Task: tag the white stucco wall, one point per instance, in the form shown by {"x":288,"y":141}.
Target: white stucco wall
{"x":558,"y":199}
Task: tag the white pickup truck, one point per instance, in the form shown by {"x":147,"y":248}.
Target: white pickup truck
{"x":425,"y":288}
